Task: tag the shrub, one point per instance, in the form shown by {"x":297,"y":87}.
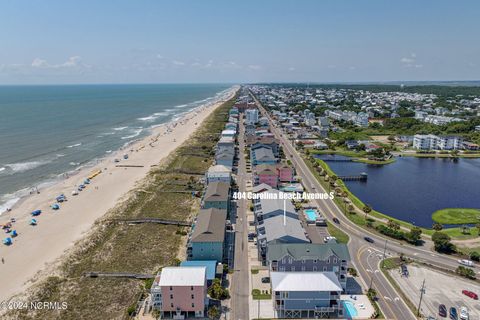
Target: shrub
{"x":475,"y":256}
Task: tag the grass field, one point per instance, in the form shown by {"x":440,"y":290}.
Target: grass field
{"x":456,"y":216}
{"x":341,"y":236}
{"x":143,"y":248}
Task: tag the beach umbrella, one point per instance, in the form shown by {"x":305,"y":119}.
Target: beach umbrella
{"x":7,"y":241}
{"x":74,"y":192}
{"x":36,"y":212}
{"x":14,"y":233}
{"x":55,"y":206}
{"x":33,"y":222}
{"x":87,"y":181}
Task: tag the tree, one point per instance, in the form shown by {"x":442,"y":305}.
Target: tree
{"x":414,"y":235}
{"x":392,"y":224}
{"x":217,"y":292}
{"x":367,"y":209}
{"x":437,"y":226}
{"x":465,"y":272}
{"x":465,"y":229}
{"x":478,"y":228}
{"x":442,"y":242}
{"x":351,"y":208}
{"x":213,"y":312}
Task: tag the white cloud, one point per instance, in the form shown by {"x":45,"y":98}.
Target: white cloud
{"x":178,"y":63}
{"x":411,"y":61}
{"x":159,"y":56}
{"x":39,"y":63}
{"x":254,"y":67}
{"x":291,"y":69}
{"x":74,"y":61}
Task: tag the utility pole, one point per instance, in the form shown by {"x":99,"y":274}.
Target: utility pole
{"x":422,"y":291}
{"x":371,"y":282}
{"x":384,"y":253}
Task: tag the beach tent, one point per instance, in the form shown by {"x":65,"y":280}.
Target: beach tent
{"x":87,"y":181}
{"x":7,"y":241}
{"x":60,"y":198}
{"x":14,"y":233}
{"x":55,"y":206}
{"x":36,"y":212}
{"x":33,"y":222}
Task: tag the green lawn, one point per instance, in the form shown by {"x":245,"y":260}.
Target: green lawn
{"x":341,"y":236}
{"x":456,"y":216}
{"x":258,"y":295}
{"x":368,"y":161}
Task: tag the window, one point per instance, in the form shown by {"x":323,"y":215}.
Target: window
{"x":193,"y":305}
{"x":171,"y":296}
{"x":193,"y":296}
{"x":171,"y":288}
{"x":315,"y":261}
{"x":314,"y":268}
{"x":191,"y":288}
{"x":303,"y":268}
{"x":171,"y":305}
{"x":293,"y":268}
{"x":303,"y":261}
{"x":328,"y":261}
{"x":324,"y":268}
{"x":334,"y":260}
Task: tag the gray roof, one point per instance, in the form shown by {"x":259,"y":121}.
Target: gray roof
{"x":298,"y":251}
{"x":264,"y":154}
{"x":269,"y":205}
{"x":217,"y":191}
{"x":275,"y":229}
{"x":261,"y":188}
{"x":210,"y":226}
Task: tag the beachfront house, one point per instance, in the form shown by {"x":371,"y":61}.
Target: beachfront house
{"x":312,"y":257}
{"x":285,"y":173}
{"x":225,"y":157}
{"x":306,"y":295}
{"x":217,"y":196}
{"x":218,"y":173}
{"x":208,"y":235}
{"x":266,"y":208}
{"x":180,"y":292}
{"x":213,"y":268}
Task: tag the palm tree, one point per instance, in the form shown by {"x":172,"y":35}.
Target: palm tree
{"x":478,"y":228}
{"x":367,"y":209}
{"x":437,"y":226}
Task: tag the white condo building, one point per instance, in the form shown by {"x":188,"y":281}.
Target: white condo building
{"x":251,"y":116}
{"x":433,"y":142}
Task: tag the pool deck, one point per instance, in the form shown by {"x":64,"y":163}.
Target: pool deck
{"x":362,"y":313}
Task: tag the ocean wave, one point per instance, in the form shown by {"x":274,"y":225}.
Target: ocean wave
{"x":162,"y":113}
{"x":75,"y":145}
{"x":149,"y":118}
{"x":59,"y":155}
{"x":25,"y":166}
{"x":135,"y":134}
{"x":74,"y":163}
{"x":8,"y":204}
{"x":181,"y":106}
{"x":2,"y":169}
{"x":120,"y":128}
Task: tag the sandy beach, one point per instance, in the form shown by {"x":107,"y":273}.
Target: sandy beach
{"x":38,"y":248}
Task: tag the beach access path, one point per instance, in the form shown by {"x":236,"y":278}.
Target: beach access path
{"x":37,"y":249}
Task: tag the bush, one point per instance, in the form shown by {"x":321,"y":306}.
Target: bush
{"x":475,"y":256}
{"x":465,"y":272}
{"x":217,"y":292}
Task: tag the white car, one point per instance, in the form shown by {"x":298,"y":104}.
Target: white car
{"x":466,"y":262}
{"x":464,"y":313}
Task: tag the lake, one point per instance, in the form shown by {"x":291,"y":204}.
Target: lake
{"x":411,"y":189}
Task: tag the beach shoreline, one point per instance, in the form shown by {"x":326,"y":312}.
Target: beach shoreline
{"x":36,"y":248}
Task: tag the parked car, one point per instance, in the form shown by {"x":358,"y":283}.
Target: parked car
{"x":464,"y":313}
{"x":266,"y":280}
{"x":336,"y":220}
{"x":453,"y":313}
{"x":368,"y":239}
{"x":470,"y":294}
{"x":466,"y":262}
{"x":442,"y":310}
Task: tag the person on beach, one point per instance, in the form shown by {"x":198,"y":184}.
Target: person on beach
{"x":3,"y":260}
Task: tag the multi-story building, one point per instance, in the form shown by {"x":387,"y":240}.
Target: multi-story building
{"x":306,"y":295}
{"x":180,"y":292}
{"x":313,"y":257}
{"x":217,"y":196}
{"x":251,"y":116}
{"x":208,"y":235}
{"x":218,"y":173}
{"x":266,"y":173}
{"x":425,"y":141}
{"x":450,"y":143}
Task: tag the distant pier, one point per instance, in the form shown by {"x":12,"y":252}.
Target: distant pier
{"x":361,"y":177}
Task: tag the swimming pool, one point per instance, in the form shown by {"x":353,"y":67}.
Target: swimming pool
{"x":350,"y":309}
{"x":311,"y":214}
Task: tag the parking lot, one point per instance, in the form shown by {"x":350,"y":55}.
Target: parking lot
{"x":440,"y":288}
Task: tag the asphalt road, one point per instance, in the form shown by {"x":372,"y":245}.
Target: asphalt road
{"x":240,"y":279}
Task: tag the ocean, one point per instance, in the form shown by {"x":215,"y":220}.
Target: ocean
{"x":47,"y":131}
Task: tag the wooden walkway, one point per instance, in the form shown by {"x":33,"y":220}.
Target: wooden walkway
{"x":128,"y":166}
{"x":118,"y":275}
{"x":154,"y":220}
{"x":361,"y":177}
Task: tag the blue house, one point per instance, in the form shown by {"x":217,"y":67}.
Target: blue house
{"x":263,"y":155}
{"x":217,"y":196}
{"x":208,"y":235}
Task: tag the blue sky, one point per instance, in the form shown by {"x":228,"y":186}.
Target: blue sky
{"x":157,"y":41}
